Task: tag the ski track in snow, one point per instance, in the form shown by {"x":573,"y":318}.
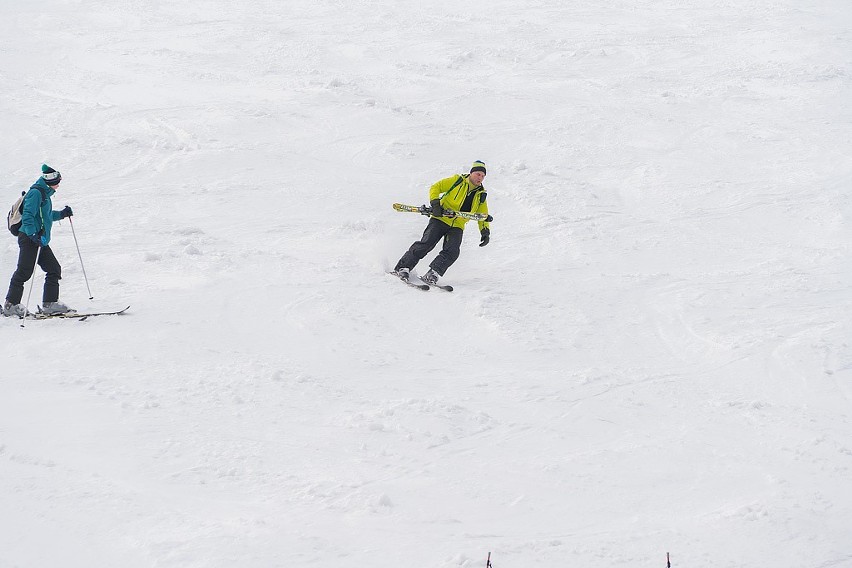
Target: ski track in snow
{"x":651,"y":355}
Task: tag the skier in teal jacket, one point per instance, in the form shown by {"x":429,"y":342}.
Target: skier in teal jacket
{"x":37,"y":220}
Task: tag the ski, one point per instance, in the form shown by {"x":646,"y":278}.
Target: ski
{"x":80,"y":316}
{"x":409,"y":282}
{"x":444,"y":287}
{"x":426,"y":210}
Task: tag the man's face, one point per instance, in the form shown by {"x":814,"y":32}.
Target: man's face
{"x":477,"y":177}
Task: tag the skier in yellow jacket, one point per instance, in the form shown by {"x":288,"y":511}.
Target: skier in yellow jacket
{"x":462,"y":192}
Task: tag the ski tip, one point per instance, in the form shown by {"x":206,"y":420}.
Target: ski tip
{"x":444,"y":287}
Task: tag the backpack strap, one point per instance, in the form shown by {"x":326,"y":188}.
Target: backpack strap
{"x":43,"y":194}
{"x":456,"y":183}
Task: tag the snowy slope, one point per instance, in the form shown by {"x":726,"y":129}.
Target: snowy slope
{"x":651,"y":355}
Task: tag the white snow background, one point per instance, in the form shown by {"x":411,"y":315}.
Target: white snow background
{"x":651,"y":356}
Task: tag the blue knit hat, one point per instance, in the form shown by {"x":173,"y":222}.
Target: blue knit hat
{"x":478,"y":166}
{"x":51,"y":176}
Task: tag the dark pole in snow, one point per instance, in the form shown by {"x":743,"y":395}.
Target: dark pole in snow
{"x":30,"y":293}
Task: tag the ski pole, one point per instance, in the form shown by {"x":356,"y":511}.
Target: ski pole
{"x":32,"y":281}
{"x":86,"y":278}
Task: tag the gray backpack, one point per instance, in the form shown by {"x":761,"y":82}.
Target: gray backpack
{"x":13,"y":219}
{"x":15,"y":215}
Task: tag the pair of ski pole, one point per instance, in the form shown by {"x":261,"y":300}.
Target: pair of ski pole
{"x":38,"y":254}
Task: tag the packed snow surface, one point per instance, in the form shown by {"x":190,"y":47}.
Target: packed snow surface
{"x":652,"y":355}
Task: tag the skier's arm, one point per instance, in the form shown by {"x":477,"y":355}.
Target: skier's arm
{"x":483,"y":208}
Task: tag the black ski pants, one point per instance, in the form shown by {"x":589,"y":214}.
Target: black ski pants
{"x":435,"y":231}
{"x":26,"y":265}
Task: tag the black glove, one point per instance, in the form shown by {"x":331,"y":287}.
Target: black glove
{"x":486,"y":236}
{"x":65,"y":212}
{"x":437,"y":210}
{"x":38,"y":239}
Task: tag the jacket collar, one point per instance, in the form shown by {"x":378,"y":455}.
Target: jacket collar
{"x":42,"y":186}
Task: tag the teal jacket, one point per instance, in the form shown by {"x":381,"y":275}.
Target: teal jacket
{"x":38,"y":214}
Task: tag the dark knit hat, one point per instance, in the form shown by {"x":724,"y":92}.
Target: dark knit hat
{"x":51,"y":176}
{"x":478,"y":166}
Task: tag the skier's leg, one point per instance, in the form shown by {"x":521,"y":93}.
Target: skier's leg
{"x":450,"y":251}
{"x":433,"y":233}
{"x":26,"y":264}
{"x":53,"y":273}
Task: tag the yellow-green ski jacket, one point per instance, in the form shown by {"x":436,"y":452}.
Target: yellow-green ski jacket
{"x":459,"y":194}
